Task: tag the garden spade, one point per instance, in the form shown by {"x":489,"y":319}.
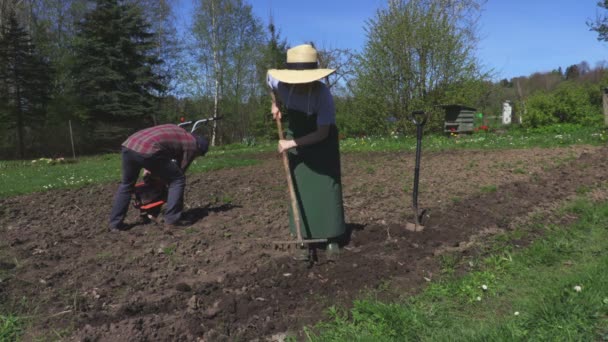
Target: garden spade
{"x":419,"y":119}
{"x":299,"y":242}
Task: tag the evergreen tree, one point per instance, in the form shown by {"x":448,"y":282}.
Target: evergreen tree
{"x":54,"y":30}
{"x":168,"y":46}
{"x":115,"y":64}
{"x":572,"y":72}
{"x":24,"y":81}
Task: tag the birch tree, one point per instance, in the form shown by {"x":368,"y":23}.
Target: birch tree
{"x":227,"y":37}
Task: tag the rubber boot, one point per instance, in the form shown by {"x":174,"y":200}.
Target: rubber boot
{"x":301,"y":254}
{"x":333,"y":250}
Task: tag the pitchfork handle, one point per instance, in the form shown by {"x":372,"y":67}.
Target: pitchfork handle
{"x":292,"y":193}
{"x":419,"y":119}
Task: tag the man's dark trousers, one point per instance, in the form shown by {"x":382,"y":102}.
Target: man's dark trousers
{"x":158,"y":165}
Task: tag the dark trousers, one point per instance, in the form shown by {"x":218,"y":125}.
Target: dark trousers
{"x":161,"y":166}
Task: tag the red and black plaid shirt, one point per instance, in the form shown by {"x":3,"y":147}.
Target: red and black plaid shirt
{"x":168,"y":140}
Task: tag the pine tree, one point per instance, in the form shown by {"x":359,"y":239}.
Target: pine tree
{"x":114,"y":64}
{"x":24,"y":81}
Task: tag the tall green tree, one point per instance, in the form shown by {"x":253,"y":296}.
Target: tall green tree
{"x":274,"y":54}
{"x":228,"y":38}
{"x":168,"y":47}
{"x":114,"y":65}
{"x":343,"y":61}
{"x":417,"y":52}
{"x":24,"y":81}
{"x":54,"y":32}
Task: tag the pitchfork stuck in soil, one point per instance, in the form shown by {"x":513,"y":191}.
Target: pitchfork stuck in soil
{"x":419,"y":119}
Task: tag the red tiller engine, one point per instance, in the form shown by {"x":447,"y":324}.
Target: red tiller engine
{"x":149,"y":197}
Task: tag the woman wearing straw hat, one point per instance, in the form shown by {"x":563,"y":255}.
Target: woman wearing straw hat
{"x":311,"y":142}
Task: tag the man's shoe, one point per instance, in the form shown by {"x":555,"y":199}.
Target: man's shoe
{"x":117,"y":228}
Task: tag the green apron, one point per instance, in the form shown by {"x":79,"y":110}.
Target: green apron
{"x":315,"y":170}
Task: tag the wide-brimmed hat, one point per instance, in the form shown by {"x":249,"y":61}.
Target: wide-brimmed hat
{"x":302,"y":66}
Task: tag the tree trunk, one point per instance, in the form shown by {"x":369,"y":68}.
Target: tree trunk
{"x":20,"y":123}
{"x":216,"y":95}
{"x":605,"y":103}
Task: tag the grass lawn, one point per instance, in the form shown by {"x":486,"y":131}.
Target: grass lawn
{"x":22,"y":177}
{"x":556,"y":289}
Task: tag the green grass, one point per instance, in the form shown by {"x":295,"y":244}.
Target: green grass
{"x":22,"y":177}
{"x":169,"y":250}
{"x":547,"y":137}
{"x":489,"y":188}
{"x":552,"y":136}
{"x":10,"y":328}
{"x":531,"y":293}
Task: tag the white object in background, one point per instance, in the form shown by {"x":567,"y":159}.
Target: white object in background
{"x":507,"y":111}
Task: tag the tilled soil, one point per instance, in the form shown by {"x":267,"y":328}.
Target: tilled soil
{"x":222,"y":279}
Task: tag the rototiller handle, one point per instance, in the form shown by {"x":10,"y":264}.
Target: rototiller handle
{"x":198,"y":123}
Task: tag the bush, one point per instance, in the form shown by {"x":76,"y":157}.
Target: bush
{"x":569,"y":103}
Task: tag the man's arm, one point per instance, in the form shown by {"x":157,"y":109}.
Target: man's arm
{"x":187,"y":159}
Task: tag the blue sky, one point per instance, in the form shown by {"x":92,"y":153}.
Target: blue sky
{"x":518,"y":37}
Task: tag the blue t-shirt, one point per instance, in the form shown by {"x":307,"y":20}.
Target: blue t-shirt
{"x":319,"y":100}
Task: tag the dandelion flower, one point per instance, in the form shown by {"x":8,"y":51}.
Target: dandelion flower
{"x":516,"y":313}
{"x":578,"y":288}
{"x":484,"y":287}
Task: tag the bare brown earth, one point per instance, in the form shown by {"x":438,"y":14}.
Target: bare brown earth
{"x":221,"y":279}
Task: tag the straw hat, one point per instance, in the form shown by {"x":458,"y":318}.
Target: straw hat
{"x":302,"y":66}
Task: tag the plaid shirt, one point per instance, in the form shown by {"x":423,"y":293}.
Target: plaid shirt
{"x":167,"y":140}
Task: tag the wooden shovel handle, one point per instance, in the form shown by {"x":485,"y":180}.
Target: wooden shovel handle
{"x":292,"y":193}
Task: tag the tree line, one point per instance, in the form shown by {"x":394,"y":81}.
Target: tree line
{"x":110,"y":67}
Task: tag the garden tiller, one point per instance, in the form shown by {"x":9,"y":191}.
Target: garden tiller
{"x":149,"y":197}
{"x":151,"y":193}
{"x":419,"y":119}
